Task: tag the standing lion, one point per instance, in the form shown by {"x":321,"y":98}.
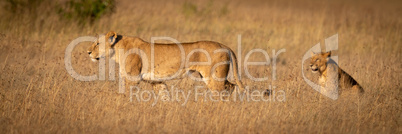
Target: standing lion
{"x":158,"y":62}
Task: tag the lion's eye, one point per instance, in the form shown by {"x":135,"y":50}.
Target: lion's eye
{"x":97,"y":43}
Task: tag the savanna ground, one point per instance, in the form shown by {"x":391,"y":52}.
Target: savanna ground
{"x":37,"y":94}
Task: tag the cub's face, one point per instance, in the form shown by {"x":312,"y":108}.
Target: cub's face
{"x":93,"y":51}
{"x":96,"y":51}
{"x":319,"y":61}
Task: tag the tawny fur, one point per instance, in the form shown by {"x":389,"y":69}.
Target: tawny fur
{"x":323,"y":64}
{"x":168,"y":59}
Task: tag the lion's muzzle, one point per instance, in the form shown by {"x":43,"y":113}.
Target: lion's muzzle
{"x":314,"y":68}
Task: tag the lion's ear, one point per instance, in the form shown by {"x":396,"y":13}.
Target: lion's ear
{"x":112,"y":37}
{"x":328,"y":54}
{"x":312,"y":53}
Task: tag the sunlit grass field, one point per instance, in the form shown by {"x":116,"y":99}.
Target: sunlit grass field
{"x":37,"y":95}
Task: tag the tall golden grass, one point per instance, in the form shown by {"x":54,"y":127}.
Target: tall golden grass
{"x":37,"y":95}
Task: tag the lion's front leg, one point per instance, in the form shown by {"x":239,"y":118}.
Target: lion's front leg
{"x":127,"y":85}
{"x":162,"y":90}
{"x":129,"y":77}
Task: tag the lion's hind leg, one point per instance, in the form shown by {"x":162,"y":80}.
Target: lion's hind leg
{"x":214,"y":83}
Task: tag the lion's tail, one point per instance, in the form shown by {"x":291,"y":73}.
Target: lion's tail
{"x":233,"y":60}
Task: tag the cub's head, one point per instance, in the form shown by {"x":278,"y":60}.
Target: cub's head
{"x":96,"y":50}
{"x":319,"y":61}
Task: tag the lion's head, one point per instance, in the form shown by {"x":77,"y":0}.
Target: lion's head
{"x":319,"y":61}
{"x":96,"y":51}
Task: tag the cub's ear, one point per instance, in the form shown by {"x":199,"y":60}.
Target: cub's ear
{"x":327,"y":54}
{"x":112,"y":37}
{"x":312,"y":53}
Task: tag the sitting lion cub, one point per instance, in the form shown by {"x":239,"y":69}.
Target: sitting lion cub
{"x":326,"y":67}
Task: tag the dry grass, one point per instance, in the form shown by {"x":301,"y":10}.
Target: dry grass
{"x":37,"y":95}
